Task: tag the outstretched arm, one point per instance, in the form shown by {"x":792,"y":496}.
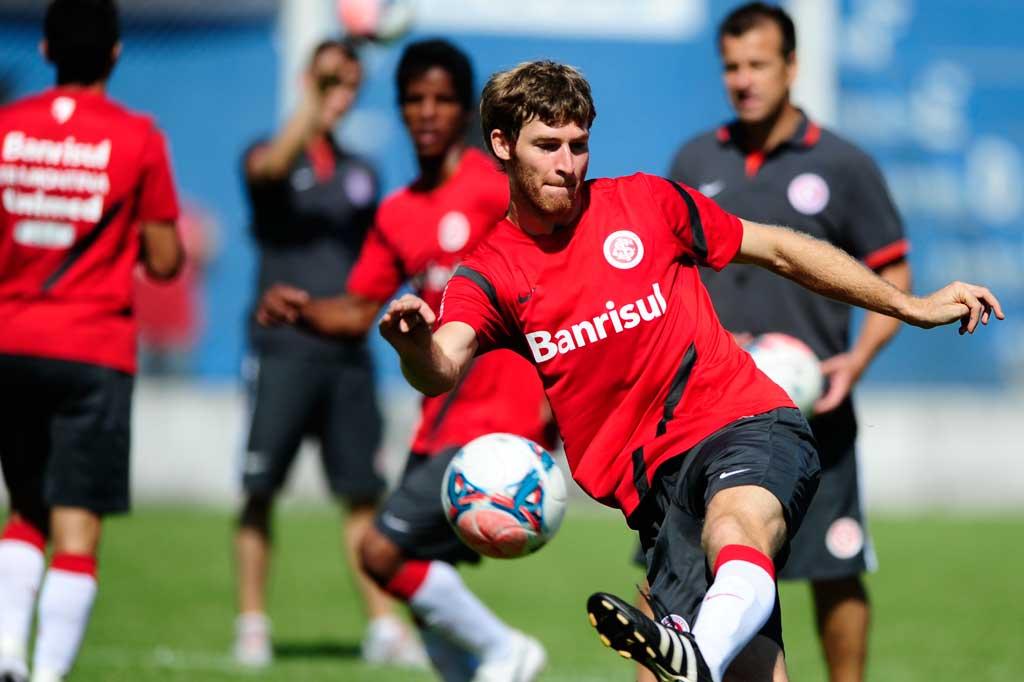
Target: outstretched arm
{"x":432,"y":363}
{"x":831,"y":272}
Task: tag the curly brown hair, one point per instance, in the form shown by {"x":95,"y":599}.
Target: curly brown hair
{"x":555,"y":94}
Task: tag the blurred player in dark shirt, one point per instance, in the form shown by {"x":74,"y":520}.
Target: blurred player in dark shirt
{"x":87,"y":193}
{"x":775,"y":165}
{"x":312,"y":205}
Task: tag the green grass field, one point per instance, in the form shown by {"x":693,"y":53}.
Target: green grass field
{"x":949,"y":601}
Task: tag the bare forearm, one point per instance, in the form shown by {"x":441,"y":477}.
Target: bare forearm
{"x":829,"y":271}
{"x":340,"y":316}
{"x":162,"y":250}
{"x":429,"y":372}
{"x":274,"y":161}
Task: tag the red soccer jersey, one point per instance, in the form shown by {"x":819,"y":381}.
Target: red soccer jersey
{"x":77,"y":174}
{"x":422,"y":236}
{"x":612,"y":312}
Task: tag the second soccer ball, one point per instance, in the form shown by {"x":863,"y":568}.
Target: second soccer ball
{"x":791,"y":364}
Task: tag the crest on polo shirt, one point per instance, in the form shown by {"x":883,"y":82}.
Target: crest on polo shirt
{"x":453,"y":231}
{"x":808,"y":193}
{"x":359,"y":187}
{"x":623,"y":249}
{"x":845,"y":538}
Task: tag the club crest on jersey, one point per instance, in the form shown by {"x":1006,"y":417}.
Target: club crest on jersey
{"x":62,"y":109}
{"x":453,"y":231}
{"x":623,"y":249}
{"x":808,"y":193}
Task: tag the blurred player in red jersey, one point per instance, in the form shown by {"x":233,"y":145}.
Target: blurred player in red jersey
{"x":87,"y":191}
{"x":662,"y":414}
{"x":422,"y":232}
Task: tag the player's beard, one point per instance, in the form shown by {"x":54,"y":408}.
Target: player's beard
{"x":528,"y":185}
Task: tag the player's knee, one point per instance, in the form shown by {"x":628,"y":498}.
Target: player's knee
{"x":255,"y":514}
{"x":766,"y":536}
{"x":722,"y":530}
{"x":745,"y":515}
{"x":379,"y":557}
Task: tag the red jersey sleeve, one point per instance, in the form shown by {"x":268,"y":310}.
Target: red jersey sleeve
{"x":158,"y":201}
{"x":470,"y":297}
{"x":378,"y":271}
{"x":707,"y":234}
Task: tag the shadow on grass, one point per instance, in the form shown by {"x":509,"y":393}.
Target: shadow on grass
{"x":324,"y":648}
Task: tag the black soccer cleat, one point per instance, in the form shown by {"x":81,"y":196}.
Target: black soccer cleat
{"x":671,"y":655}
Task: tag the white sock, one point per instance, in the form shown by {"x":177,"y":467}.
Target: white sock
{"x":21,"y":570}
{"x":64,"y":606}
{"x":444,"y":603}
{"x":736,"y":606}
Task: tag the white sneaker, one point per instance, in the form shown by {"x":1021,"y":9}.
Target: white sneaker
{"x":252,"y":640}
{"x":389,"y":641}
{"x":523,"y":663}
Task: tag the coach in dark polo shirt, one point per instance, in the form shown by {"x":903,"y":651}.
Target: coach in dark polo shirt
{"x":774,"y":165}
{"x":312,"y":205}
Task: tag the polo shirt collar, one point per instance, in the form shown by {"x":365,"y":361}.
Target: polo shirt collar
{"x":807,"y":133}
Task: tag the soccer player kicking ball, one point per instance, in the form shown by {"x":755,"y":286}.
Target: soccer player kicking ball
{"x":91,"y":194}
{"x":422,"y":232}
{"x":662,"y":414}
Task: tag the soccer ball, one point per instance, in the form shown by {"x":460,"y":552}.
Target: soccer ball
{"x":380,"y":20}
{"x":791,"y":364}
{"x":503,"y":495}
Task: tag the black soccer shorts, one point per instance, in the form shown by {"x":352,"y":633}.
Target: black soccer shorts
{"x":65,"y":434}
{"x":833,"y":541}
{"x":291,"y":397}
{"x":774,"y":451}
{"x":413,"y":516}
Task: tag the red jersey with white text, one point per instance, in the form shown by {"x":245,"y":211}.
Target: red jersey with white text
{"x":420,"y":237}
{"x":612,"y":313}
{"x":78,"y":172}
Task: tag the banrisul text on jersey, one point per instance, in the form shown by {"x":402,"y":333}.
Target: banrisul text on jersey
{"x":544,"y":345}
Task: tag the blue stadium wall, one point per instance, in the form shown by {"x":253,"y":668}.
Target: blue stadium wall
{"x":932,"y":98}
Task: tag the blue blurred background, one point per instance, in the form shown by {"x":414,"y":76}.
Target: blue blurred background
{"x":931,"y":89}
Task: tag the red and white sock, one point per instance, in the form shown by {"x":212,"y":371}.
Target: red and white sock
{"x":22,"y":562}
{"x":65,"y":602}
{"x":736,"y":606}
{"x":437,"y":596}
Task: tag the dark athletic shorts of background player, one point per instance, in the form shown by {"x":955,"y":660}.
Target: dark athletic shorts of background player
{"x":833,"y":541}
{"x":334,"y":401}
{"x":774,"y":451}
{"x":65,"y":433}
{"x":413,"y":516}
